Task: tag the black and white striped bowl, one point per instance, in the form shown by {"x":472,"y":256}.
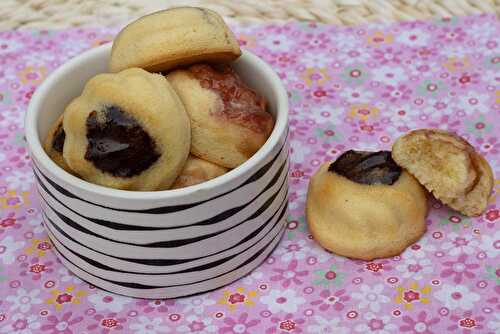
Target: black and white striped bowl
{"x":162,"y":244}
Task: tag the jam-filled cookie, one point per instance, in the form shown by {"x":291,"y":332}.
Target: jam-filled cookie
{"x":127,"y":130}
{"x":448,"y":166}
{"x":229,"y":121}
{"x":173,"y":37}
{"x":196,"y":171}
{"x":54,"y":144}
{"x":364,"y":206}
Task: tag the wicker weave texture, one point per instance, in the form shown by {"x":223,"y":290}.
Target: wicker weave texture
{"x":55,"y":14}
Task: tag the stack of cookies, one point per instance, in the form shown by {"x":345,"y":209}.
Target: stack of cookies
{"x":368,"y":205}
{"x":171,"y":113}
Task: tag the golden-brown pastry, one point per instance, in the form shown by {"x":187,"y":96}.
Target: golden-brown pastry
{"x":229,"y":121}
{"x":364,"y":206}
{"x":197,"y":171}
{"x":173,"y":37}
{"x":448,"y":166}
{"x":127,"y":130}
{"x":54,"y":143}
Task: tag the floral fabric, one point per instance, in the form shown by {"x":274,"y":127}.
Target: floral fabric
{"x":358,"y":87}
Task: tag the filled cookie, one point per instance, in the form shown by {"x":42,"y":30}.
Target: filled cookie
{"x":448,"y":166}
{"x":229,"y":121}
{"x":365,"y":206}
{"x":174,"y":37}
{"x":127,"y":130}
{"x":196,"y":171}
{"x":54,"y":144}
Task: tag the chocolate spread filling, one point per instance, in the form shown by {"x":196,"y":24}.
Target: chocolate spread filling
{"x":58,"y":139}
{"x":367,"y":167}
{"x":242,"y":105}
{"x":117,"y":144}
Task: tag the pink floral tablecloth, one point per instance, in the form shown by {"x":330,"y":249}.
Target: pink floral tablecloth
{"x":358,"y":87}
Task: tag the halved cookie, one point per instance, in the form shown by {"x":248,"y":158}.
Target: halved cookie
{"x":173,"y":37}
{"x":448,"y":166}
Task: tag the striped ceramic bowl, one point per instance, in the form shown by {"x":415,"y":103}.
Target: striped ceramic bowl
{"x":161,"y":244}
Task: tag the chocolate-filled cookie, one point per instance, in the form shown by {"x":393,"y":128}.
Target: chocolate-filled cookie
{"x":127,"y":131}
{"x":364,"y":206}
{"x":229,"y":120}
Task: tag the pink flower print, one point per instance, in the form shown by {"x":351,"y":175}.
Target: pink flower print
{"x":414,"y":267}
{"x":397,"y":93}
{"x":20,"y":158}
{"x":320,"y":94}
{"x":293,"y":249}
{"x":11,"y":221}
{"x":387,"y":56}
{"x":298,"y":173}
{"x":465,"y":323}
{"x":327,"y":151}
{"x":464,"y":80}
{"x":459,"y":269}
{"x":445,"y":122}
{"x":289,"y":275}
{"x":419,"y":325}
{"x":327,"y":133}
{"x":488,"y":145}
{"x":61,"y":325}
{"x":21,"y":323}
{"x":437,"y":108}
{"x":285,"y":325}
{"x":492,"y":215}
{"x":376,"y":268}
{"x":424,"y":53}
{"x":450,"y":35}
{"x":495,"y":300}
{"x":329,"y":276}
{"x":36,"y":268}
{"x":457,"y":244}
{"x":196,"y":324}
{"x":107,"y":323}
{"x":368,"y":128}
{"x":297,"y":129}
{"x":241,"y":325}
{"x":295,"y":200}
{"x":283,"y":59}
{"x":331,"y":300}
{"x":316,"y":41}
{"x":276,"y":42}
{"x":354,"y":75}
{"x":158,"y":305}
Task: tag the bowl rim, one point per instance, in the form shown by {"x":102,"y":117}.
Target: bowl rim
{"x":36,"y":149}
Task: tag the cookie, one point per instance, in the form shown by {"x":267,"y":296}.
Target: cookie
{"x":364,"y":206}
{"x":127,"y":130}
{"x":197,"y":171}
{"x":448,"y":166}
{"x":229,"y":121}
{"x":173,"y":37}
{"x":54,"y":144}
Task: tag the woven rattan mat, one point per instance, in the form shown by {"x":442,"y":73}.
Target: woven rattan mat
{"x":55,"y":14}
